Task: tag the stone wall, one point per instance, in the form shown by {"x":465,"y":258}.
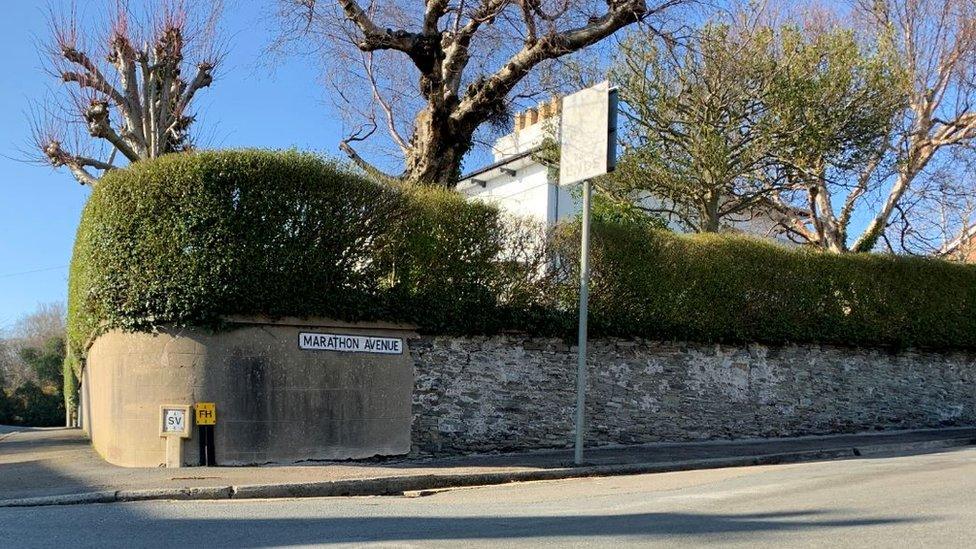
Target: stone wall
{"x":505,"y":393}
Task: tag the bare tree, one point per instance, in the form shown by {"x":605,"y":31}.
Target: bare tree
{"x":47,"y":321}
{"x":937,"y":39}
{"x":127,"y":83}
{"x":433,"y":72}
{"x":12,"y":371}
{"x":33,"y":329}
{"x":936,"y":217}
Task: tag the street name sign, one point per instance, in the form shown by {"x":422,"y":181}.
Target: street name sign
{"x":345,"y":343}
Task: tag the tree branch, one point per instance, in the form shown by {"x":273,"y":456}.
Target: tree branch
{"x":494,"y":88}
{"x":791,"y":218}
{"x":202,"y":79}
{"x":457,"y":54}
{"x":99,"y":125}
{"x":960,"y":129}
{"x":435,"y":10}
{"x":371,"y":170}
{"x":92,"y":77}
{"x":384,"y":105}
{"x":85,"y":80}
{"x":869,"y":237}
{"x":375,"y":38}
{"x":862,"y":186}
{"x":59,"y":157}
{"x":123,"y":56}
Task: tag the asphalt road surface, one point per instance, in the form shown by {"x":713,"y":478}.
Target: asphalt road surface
{"x":909,"y":501}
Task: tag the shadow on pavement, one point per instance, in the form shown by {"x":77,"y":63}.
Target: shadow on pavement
{"x":679,"y":451}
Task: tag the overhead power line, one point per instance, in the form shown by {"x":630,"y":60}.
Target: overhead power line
{"x":45,"y":269}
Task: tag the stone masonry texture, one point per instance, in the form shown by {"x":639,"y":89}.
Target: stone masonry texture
{"x":486,"y":394}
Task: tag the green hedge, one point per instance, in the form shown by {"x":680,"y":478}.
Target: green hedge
{"x":190,"y":238}
{"x":721,"y":288}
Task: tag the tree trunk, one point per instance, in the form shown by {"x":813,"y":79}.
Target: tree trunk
{"x":437,"y":148}
{"x":711,"y":222}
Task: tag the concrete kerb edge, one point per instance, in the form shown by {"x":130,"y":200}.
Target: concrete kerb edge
{"x":398,"y":485}
{"x":67,"y":499}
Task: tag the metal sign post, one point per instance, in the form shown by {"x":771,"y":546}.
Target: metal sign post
{"x":587,"y":138}
{"x":584,"y":299}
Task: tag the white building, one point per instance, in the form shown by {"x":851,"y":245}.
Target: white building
{"x":518,"y":183}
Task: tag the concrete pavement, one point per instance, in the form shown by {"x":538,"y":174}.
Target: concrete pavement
{"x":914,"y":501}
{"x":57,"y":466}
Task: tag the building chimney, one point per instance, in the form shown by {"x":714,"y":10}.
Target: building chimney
{"x":550,"y":108}
{"x":533,"y":116}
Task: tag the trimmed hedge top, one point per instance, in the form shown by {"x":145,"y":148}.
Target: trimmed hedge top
{"x":187,"y":239}
{"x":727,"y":288}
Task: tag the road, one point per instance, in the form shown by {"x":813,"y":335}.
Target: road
{"x":43,"y":462}
{"x":921,"y":500}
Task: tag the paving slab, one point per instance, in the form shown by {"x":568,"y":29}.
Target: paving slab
{"x":38,"y":466}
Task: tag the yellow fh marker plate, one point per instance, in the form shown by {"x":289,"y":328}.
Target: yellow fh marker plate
{"x":206,"y":413}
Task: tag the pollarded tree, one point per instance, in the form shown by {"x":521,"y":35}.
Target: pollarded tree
{"x":131,"y":90}
{"x":435,"y":71}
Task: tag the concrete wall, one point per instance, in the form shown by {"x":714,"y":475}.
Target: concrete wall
{"x":498,"y":393}
{"x":275,"y":402}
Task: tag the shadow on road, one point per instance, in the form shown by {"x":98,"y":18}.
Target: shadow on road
{"x":52,"y":439}
{"x":38,"y":462}
{"x":349,"y":530}
{"x":121,"y":522}
{"x":683,"y":451}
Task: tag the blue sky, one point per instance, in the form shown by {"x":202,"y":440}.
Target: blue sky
{"x":249,"y":105}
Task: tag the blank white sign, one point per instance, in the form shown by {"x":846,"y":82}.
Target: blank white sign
{"x":584,"y":135}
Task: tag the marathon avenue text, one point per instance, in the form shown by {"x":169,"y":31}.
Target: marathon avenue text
{"x":350,"y":343}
